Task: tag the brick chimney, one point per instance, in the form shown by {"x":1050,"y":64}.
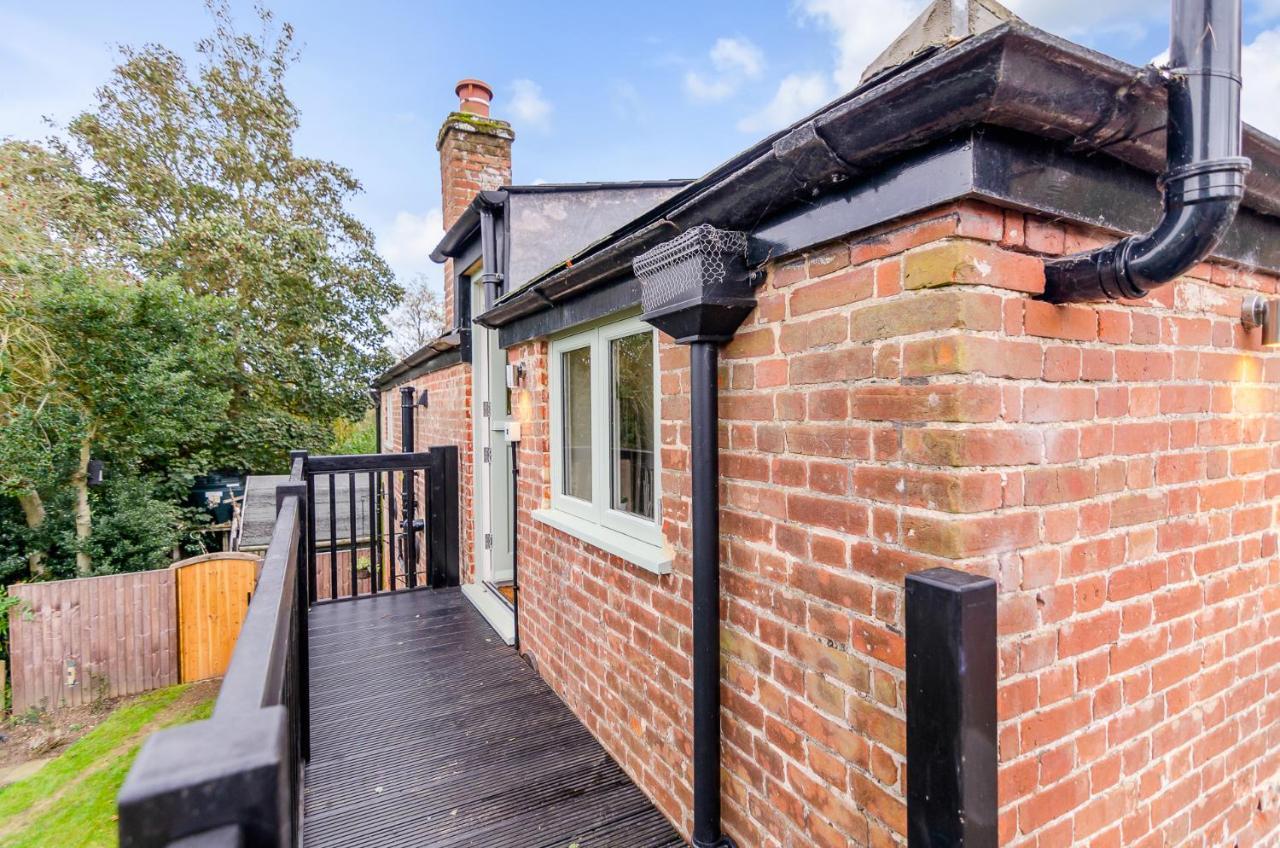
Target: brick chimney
{"x":475,"y":150}
{"x":475,"y":156}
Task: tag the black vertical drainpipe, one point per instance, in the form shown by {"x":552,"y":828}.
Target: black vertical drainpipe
{"x":697,"y":289}
{"x":376,"y":395}
{"x":705,"y":457}
{"x":1203,"y":182}
{"x":407,"y":494}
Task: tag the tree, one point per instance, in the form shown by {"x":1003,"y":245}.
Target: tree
{"x":418,"y":319}
{"x":214,"y":195}
{"x":140,"y":382}
{"x":52,"y":219}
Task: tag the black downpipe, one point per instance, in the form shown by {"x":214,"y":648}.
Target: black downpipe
{"x":705,"y":456}
{"x":407,"y":505}
{"x":1204,"y":179}
{"x":491,"y":277}
{"x":697,"y":289}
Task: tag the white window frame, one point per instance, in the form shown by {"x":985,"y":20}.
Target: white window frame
{"x":599,"y":511}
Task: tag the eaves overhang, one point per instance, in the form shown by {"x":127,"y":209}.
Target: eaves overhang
{"x":432,"y":350}
{"x":467,"y":226}
{"x":1013,"y":77}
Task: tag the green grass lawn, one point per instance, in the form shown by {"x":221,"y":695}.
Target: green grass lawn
{"x":71,"y":802}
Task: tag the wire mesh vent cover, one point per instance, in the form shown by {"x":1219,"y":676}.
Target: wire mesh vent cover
{"x":696,"y":286}
{"x":679,"y":270}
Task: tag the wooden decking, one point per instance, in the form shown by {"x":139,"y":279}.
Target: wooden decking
{"x":428,"y":732}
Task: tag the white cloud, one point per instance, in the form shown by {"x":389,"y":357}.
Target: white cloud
{"x":408,"y":242}
{"x":737,"y":54}
{"x":700,"y":87}
{"x":1261,"y":72}
{"x":529,"y":106}
{"x":735,"y":60}
{"x":862,"y":30}
{"x":797,"y":96}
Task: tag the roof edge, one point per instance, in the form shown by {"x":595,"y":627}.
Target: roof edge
{"x":1013,"y":76}
{"x":438,"y":346}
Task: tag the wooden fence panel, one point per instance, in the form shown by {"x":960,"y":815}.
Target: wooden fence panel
{"x":213,"y":599}
{"x":72,"y":641}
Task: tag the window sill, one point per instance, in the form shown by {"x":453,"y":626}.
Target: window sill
{"x":652,"y":558}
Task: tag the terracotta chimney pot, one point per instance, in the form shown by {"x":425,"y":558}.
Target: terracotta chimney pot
{"x":474,"y":96}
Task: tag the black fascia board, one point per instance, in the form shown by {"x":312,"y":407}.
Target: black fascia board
{"x":1014,"y":77}
{"x":1009,"y":169}
{"x":429,"y":353}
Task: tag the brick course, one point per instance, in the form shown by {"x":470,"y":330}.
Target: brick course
{"x":897,"y":402}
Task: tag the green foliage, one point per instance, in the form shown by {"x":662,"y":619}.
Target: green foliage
{"x":180,"y":292}
{"x":355,"y":437}
{"x":203,"y":162}
{"x":135,"y":527}
{"x":72,"y":800}
{"x":142,"y":376}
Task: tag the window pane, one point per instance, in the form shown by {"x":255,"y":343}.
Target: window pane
{"x":575,"y":367}
{"x":631,"y":437}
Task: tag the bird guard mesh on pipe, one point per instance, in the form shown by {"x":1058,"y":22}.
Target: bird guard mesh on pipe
{"x":680,"y":270}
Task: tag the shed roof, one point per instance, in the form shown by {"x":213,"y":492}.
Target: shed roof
{"x":259,"y":515}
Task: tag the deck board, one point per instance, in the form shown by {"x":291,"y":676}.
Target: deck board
{"x":428,"y":732}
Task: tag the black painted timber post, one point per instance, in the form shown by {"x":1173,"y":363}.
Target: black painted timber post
{"x":407,"y":509}
{"x":951,"y":710}
{"x":442,"y":518}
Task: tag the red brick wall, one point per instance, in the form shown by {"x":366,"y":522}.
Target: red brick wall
{"x":898,"y":401}
{"x":445,"y":421}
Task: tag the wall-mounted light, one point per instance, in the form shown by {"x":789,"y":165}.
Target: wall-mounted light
{"x":515,"y":376}
{"x":1258,"y":311}
{"x":422,"y":399}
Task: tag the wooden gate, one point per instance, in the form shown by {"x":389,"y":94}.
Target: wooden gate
{"x":213,"y":598}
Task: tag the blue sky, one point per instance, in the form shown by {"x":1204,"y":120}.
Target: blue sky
{"x":596,"y":91}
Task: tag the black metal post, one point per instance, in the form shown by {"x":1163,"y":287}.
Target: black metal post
{"x":951,"y":710}
{"x":333,"y":539}
{"x":373,"y":532}
{"x":310,"y":537}
{"x":705,"y":454}
{"x":351,"y":541}
{"x":300,"y":486}
{"x":407,"y":496}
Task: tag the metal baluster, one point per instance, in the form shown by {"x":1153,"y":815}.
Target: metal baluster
{"x":391,"y":527}
{"x":410,"y":537}
{"x":333,"y":539}
{"x":311,"y":534}
{"x":373,"y":533}
{"x":351,"y":533}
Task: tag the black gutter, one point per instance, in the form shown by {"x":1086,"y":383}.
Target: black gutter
{"x":1013,"y":76}
{"x":468,"y":222}
{"x":1204,"y":177}
{"x":431,"y":350}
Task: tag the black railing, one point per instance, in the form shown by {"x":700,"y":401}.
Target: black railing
{"x":381,"y":522}
{"x":236,"y":778}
